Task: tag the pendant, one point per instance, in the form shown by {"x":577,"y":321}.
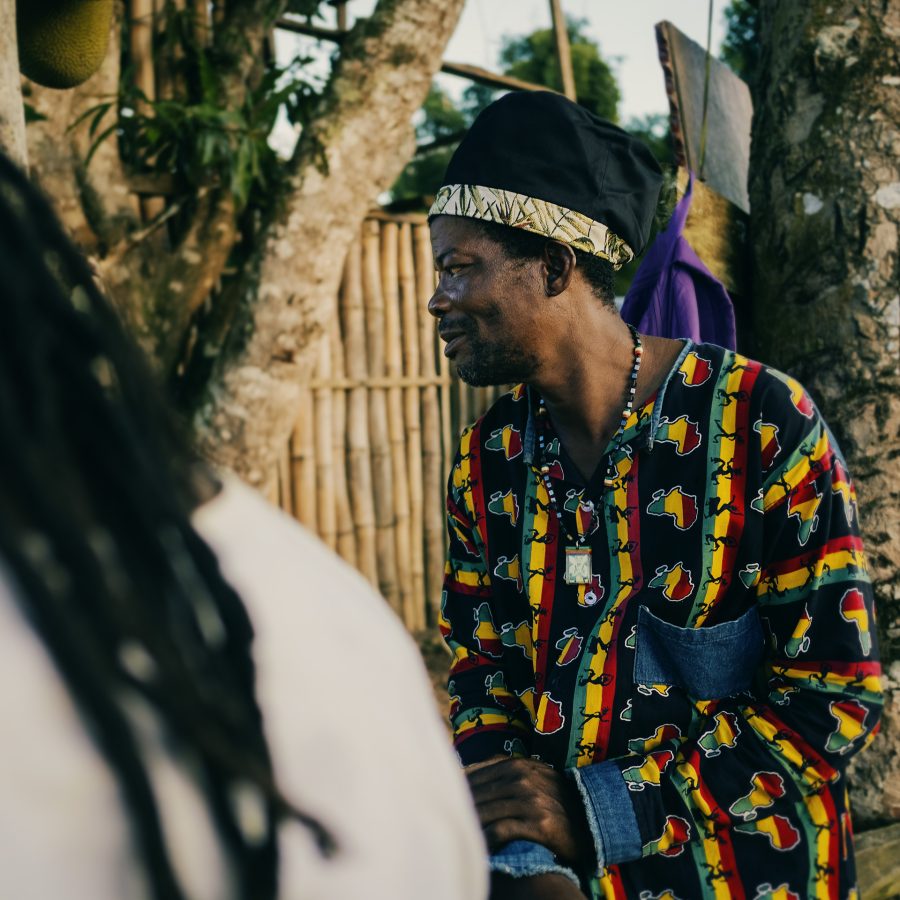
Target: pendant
{"x":578,"y":565}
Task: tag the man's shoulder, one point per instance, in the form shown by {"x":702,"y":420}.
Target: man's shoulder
{"x":502,"y":427}
{"x":770,"y":386}
{"x":777,"y":404}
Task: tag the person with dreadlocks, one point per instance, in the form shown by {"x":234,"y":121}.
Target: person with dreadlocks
{"x":154,"y":747}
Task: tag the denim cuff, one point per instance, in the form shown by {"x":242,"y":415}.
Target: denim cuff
{"x":610,"y":813}
{"x":521,"y":859}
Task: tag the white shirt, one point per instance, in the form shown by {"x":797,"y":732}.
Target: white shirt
{"x":352,"y":727}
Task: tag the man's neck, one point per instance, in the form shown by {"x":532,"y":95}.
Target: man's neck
{"x":585,"y":390}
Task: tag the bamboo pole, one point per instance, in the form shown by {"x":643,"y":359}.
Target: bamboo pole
{"x":165,"y":67}
{"x":359,"y":450}
{"x":325,"y":493}
{"x":463,"y":405}
{"x":285,"y":498}
{"x":201,"y":11}
{"x":303,"y":462}
{"x":434,"y":458}
{"x":342,"y":20}
{"x":393,"y":342}
{"x":477,"y":402}
{"x":448,"y":438}
{"x":382,"y":470}
{"x":140,"y":36}
{"x":412,"y":415}
{"x":346,"y":538}
{"x":348,"y":384}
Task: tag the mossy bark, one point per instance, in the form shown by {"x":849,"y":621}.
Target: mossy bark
{"x":825,"y":195}
{"x":12,"y":113}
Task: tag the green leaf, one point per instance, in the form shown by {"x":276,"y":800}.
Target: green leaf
{"x":32,"y":115}
{"x":98,"y":141}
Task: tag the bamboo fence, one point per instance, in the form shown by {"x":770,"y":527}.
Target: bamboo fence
{"x":367,"y":464}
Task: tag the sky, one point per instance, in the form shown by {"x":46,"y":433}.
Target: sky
{"x":627,"y":41}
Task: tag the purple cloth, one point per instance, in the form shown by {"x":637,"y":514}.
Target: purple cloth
{"x":674,"y":295}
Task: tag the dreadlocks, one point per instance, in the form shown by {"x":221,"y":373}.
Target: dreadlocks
{"x":94,"y":528}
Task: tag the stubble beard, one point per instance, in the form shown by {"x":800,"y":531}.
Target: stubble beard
{"x":496,"y":364}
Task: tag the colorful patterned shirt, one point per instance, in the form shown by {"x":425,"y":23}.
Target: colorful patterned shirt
{"x":707,"y":687}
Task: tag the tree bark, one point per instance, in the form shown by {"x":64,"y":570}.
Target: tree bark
{"x":825,"y":197}
{"x":352,"y":150}
{"x":12,"y":112}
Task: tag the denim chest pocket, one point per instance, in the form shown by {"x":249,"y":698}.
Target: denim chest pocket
{"x":707,"y":663}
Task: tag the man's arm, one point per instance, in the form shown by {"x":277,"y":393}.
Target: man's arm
{"x":487,"y":718}
{"x":489,"y":721}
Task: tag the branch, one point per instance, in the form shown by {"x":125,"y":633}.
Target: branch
{"x":462,"y":70}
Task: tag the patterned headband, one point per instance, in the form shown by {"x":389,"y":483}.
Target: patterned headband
{"x":537,"y":216}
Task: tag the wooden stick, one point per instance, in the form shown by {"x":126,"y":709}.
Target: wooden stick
{"x":285,"y":480}
{"x":346,"y":537}
{"x":412,"y":415}
{"x":563,"y":51}
{"x":394,"y":368}
{"x":384,"y":215}
{"x":200,"y":9}
{"x":463,"y":406}
{"x":382,"y":470}
{"x":303,"y":462}
{"x":492,"y":79}
{"x":298,"y":26}
{"x":341,"y":7}
{"x":359,"y":451}
{"x":448,"y":438}
{"x":164,"y":67}
{"x":403,"y":381}
{"x":433,"y":457}
{"x":140,"y":36}
{"x":323,"y":436}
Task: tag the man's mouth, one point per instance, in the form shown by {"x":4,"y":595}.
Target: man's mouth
{"x":454,"y":342}
{"x":453,"y":337}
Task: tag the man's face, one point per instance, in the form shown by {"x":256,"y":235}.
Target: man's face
{"x":487,"y":305}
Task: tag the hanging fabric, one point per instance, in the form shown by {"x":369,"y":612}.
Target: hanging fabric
{"x":673,"y":294}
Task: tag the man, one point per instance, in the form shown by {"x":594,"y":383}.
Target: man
{"x":656,"y":595}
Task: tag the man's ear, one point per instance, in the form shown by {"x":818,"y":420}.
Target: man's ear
{"x":559,"y":267}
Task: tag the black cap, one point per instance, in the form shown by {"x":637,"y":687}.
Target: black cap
{"x":538,"y":161}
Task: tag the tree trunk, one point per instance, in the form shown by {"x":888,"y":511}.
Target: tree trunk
{"x":354,"y":148}
{"x":12,"y":113}
{"x":825,"y":196}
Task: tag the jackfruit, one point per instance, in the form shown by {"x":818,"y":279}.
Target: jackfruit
{"x":62,"y":42}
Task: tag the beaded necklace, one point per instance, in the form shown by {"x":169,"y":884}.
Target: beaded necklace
{"x":578,"y":557}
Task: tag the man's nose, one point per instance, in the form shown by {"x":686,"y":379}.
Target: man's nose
{"x":439,"y":303}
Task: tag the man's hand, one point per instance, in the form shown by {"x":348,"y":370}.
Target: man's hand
{"x":538,"y":887}
{"x":528,"y":800}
